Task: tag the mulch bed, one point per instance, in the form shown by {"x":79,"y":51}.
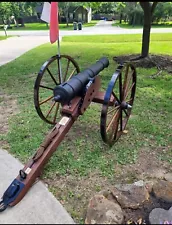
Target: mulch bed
{"x":161,"y":62}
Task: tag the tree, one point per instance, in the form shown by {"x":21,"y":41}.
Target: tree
{"x":121,"y":8}
{"x":5,"y":10}
{"x":65,"y":6}
{"x":94,"y":5}
{"x":148,"y":9}
{"x":162,"y":12}
{"x":104,"y":7}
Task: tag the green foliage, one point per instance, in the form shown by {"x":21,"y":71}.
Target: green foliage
{"x":17,"y":9}
{"x":104,"y":7}
{"x":5,"y":10}
{"x":163,"y":12}
{"x":94,"y":5}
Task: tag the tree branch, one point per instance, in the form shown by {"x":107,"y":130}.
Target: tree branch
{"x":146,"y":6}
{"x":153,"y":7}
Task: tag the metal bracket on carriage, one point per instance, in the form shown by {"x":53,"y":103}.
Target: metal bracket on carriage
{"x":91,"y":91}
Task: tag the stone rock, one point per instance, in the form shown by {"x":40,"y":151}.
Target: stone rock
{"x":149,"y":186}
{"x":163,"y":190}
{"x":124,"y":187}
{"x":102,"y":211}
{"x":160,"y":216}
{"x":132,"y":198}
{"x":128,"y":187}
{"x":107,"y":194}
{"x":168,"y":177}
{"x":139,"y":183}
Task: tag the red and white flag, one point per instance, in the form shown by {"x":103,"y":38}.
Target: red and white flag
{"x":50,"y":15}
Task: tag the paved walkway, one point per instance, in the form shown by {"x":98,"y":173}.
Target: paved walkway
{"x":38,"y":206}
{"x":14,"y":47}
{"x":102,"y":27}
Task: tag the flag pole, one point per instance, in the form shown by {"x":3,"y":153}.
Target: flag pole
{"x":50,"y":15}
{"x":58,"y":51}
{"x":59,"y":61}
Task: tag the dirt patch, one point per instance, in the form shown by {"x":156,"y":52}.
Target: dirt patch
{"x":75,"y":192}
{"x":147,"y":166}
{"x":161,"y":62}
{"x":8,"y":108}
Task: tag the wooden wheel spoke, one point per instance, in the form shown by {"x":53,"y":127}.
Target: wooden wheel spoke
{"x":55,"y":115}
{"x":129,"y":89}
{"x":128,"y":101}
{"x":112,"y":121}
{"x":72,"y":74}
{"x":52,"y":76}
{"x":127,"y":84}
{"x":125,"y":78}
{"x":46,"y":100}
{"x":67,"y":68}
{"x":115,"y":108}
{"x":50,"y":109}
{"x":115,"y":126}
{"x":42,"y":86}
{"x":121,"y":120}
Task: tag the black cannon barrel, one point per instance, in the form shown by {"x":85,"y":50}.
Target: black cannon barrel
{"x":76,"y":85}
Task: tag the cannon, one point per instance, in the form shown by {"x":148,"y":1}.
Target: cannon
{"x":66,"y":91}
{"x":68,"y":97}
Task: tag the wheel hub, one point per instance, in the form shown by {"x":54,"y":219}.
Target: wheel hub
{"x":125,"y":105}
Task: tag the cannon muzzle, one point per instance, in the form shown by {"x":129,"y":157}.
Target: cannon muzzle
{"x":66,"y":91}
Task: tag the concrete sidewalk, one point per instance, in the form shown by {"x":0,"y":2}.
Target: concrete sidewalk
{"x":38,"y":206}
{"x":14,"y":47}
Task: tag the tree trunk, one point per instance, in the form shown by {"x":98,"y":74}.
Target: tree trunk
{"x":146,"y":34}
{"x":67,"y":18}
{"x":16,"y":24}
{"x":21,"y":13}
{"x":9,"y":23}
{"x":148,"y":9}
{"x":134,"y":19}
{"x":120,"y":20}
{"x":67,"y":21}
{"x":59,"y":18}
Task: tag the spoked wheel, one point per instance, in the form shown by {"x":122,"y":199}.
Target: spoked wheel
{"x":118,"y":102}
{"x":48,"y":78}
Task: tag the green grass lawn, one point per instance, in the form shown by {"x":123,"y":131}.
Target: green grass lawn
{"x":4,"y":37}
{"x":82,"y":153}
{"x":154,"y":25}
{"x":43,"y":26}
